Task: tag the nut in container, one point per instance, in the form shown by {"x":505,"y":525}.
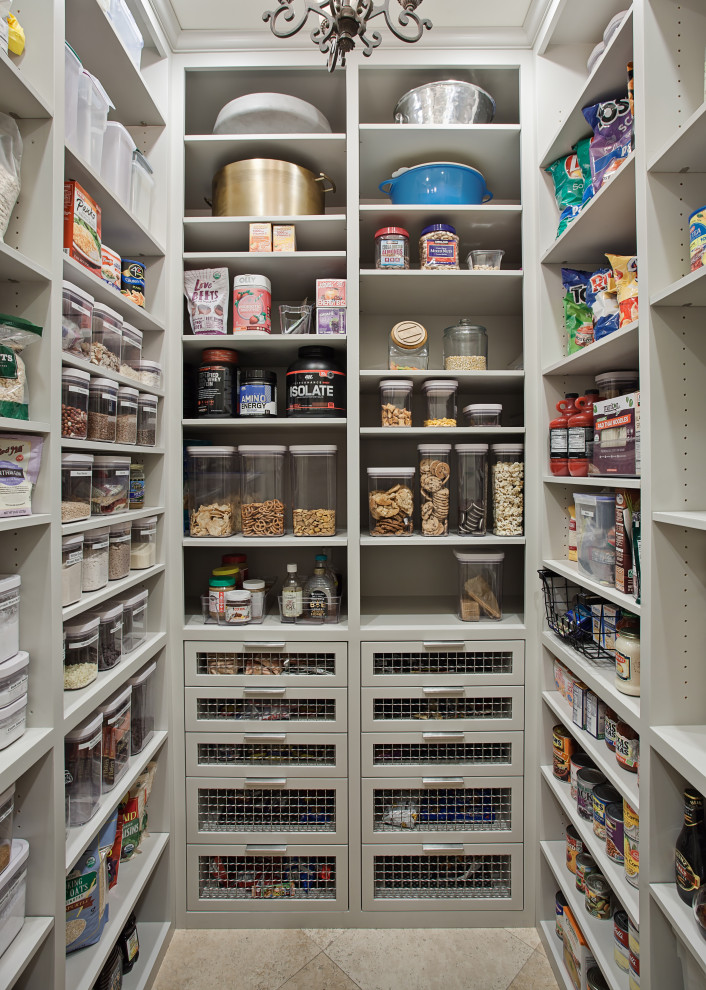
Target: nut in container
{"x":396,"y":401}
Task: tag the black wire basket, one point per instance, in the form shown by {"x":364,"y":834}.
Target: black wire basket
{"x":570,"y":613}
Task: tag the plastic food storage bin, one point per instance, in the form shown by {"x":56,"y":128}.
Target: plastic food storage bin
{"x":126,"y":431}
{"x":110,"y":635}
{"x":116,"y":737}
{"x":141,"y":188}
{"x":72,"y":74}
{"x":135,"y":621}
{"x":313,"y":468}
{"x":71,"y":569}
{"x":7,"y":817}
{"x":76,"y":479}
{"x":391,"y":501}
{"x":76,"y":321}
{"x":487,"y":261}
{"x":472,"y":488}
{"x":142,"y":714}
{"x":408,"y":348}
{"x":81,"y":657}
{"x":480,"y":586}
{"x":465,"y":347}
{"x":396,"y":401}
{"x":106,"y":337}
{"x":150,"y":372}
{"x":212,"y":494}
{"x":116,"y":160}
{"x":13,"y":892}
{"x":110,"y":486}
{"x":262,"y":490}
{"x":440,"y":397}
{"x":595,"y":536}
{"x":131,"y":351}
{"x":14,"y":677}
{"x":483,"y":414}
{"x":143,"y":549}
{"x":612,"y":384}
{"x":434,"y":487}
{"x":102,"y":410}
{"x":96,"y":554}
{"x":91,"y":119}
{"x":83,"y":766}
{"x":508,"y":488}
{"x":9,"y":615}
{"x":146,"y":420}
{"x":13,"y":721}
{"x":74,"y":403}
{"x":119,"y":551}
{"x":127,"y":30}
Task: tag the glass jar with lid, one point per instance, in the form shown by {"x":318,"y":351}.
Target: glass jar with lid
{"x":440,"y":396}
{"x":102,"y":410}
{"x":147,"y":420}
{"x":74,"y":403}
{"x":396,"y":402}
{"x":465,"y":347}
{"x":211,"y":491}
{"x":131,"y":350}
{"x":408,"y":347}
{"x":126,"y":431}
{"x":392,"y":248}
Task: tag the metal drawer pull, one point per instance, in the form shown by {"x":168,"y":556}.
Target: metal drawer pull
{"x":443,"y":847}
{"x":265,"y":737}
{"x":443,"y":737}
{"x":266,"y":850}
{"x":265,"y":782}
{"x":264,"y":646}
{"x":442,"y":692}
{"x":271,"y":692}
{"x":433,"y":645}
{"x":442,"y":781}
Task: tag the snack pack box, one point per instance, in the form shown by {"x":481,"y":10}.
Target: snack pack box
{"x":605,"y":620}
{"x":577,"y":956}
{"x":331,"y":292}
{"x":82,"y":227}
{"x":616,"y":436}
{"x":331,"y":321}
{"x":284,"y":237}
{"x":110,"y":267}
{"x":260,"y":237}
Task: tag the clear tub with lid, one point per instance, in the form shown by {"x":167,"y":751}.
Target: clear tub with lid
{"x":480,"y":589}
{"x":7,"y":817}
{"x":392,"y":248}
{"x":106,"y":337}
{"x":313,"y":468}
{"x":116,"y":737}
{"x":102,"y":410}
{"x":110,"y":485}
{"x":612,"y":384}
{"x":83,"y":770}
{"x":76,"y":481}
{"x":96,"y":553}
{"x":9,"y":615}
{"x":115,"y":160}
{"x":141,"y":188}
{"x":147,"y":420}
{"x":71,"y":569}
{"x":126,"y":431}
{"x":119,"y":551}
{"x":14,"y":678}
{"x":508,"y":488}
{"x":74,"y":403}
{"x":391,"y":501}
{"x":131,"y":351}
{"x":143,"y":707}
{"x":434,"y":487}
{"x":72,"y":74}
{"x":110,"y":635}
{"x":485,"y":261}
{"x":262,"y":489}
{"x":408,"y":348}
{"x":472,"y":488}
{"x":13,"y":894}
{"x":595,"y":536}
{"x":92,"y":119}
{"x":465,"y":347}
{"x":143,"y":549}
{"x":81,"y":658}
{"x":212,"y":495}
{"x":150,"y":372}
{"x":440,"y":396}
{"x":396,"y":401}
{"x":13,"y":721}
{"x":483,"y":414}
{"x":135,"y":620}
{"x":76,"y":321}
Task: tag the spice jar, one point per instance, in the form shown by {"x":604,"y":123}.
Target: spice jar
{"x":74,"y":403}
{"x":142,"y":708}
{"x":472,"y":488}
{"x":256,"y":587}
{"x":76,"y":320}
{"x":143,"y":546}
{"x":434,"y":487}
{"x":131,"y":351}
{"x":627,"y":658}
{"x":217,"y":389}
{"x":392,"y":248}
{"x":599,"y":897}
{"x":106,"y":337}
{"x":9,"y":615}
{"x":71,"y":564}
{"x":83,"y":770}
{"x":465,"y":347}
{"x":396,"y":402}
{"x":94,"y":570}
{"x":102,"y":410}
{"x":81,"y":659}
{"x":438,"y":247}
{"x":76,"y":475}
{"x":508,"y":488}
{"x":262,"y":489}
{"x":440,"y":396}
{"x":110,"y":635}
{"x":146,"y":420}
{"x":257,"y":393}
{"x":137,"y":484}
{"x":126,"y":431}
{"x":408,"y":349}
{"x":135,"y":621}
{"x":110,"y":484}
{"x":480,"y":595}
{"x":391,"y":501}
{"x":238,"y":607}
{"x":627,"y":747}
{"x":119,"y":551}
{"x":313,"y":469}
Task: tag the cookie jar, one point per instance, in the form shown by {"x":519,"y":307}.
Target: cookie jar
{"x":434,"y":487}
{"x":480,"y":595}
{"x":391,"y":501}
{"x":313,"y":472}
{"x":472,"y":488}
{"x":262,"y":489}
{"x":211,"y":491}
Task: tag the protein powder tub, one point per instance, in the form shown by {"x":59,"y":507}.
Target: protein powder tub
{"x":217,"y":395}
{"x":316,"y":385}
{"x":257,"y":393}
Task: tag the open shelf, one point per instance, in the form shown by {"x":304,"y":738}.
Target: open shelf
{"x":95,"y":522}
{"x":100,"y":372}
{"x":272,"y":423}
{"x":497,"y":293}
{"x":293,"y":275}
{"x":18,"y":96}
{"x":21,"y":950}
{"x":593,"y":482}
{"x":22,"y":754}
{"x":433,"y":432}
{"x":270,"y":630}
{"x":96,"y":447}
{"x":451,"y":540}
{"x":688,"y":518}
{"x":477,"y":382}
{"x":23,"y":425}
{"x":24,"y":522}
{"x":279,"y":349}
{"x":91,"y":599}
{"x":17,"y":267}
{"x":684,"y":748}
{"x":687,"y":291}
{"x":405,"y":616}
{"x":569,"y":569}
{"x":682,"y":920}
{"x":619,"y":350}
{"x":477,"y":226}
{"x":686,"y":150}
{"x":240,"y":541}
{"x":313,"y":233}
{"x":153,"y":935}
{"x":103,"y":293}
{"x":554,"y":948}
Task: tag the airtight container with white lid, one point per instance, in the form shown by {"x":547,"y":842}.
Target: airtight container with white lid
{"x":134,"y":621}
{"x":83,"y":770}
{"x":116,"y":160}
{"x":81,"y":658}
{"x":440,"y":395}
{"x":9,"y":615}
{"x":14,"y":676}
{"x":612,"y":384}
{"x":142,"y":716}
{"x":480,"y":595}
{"x":116,"y":737}
{"x":13,"y":891}
{"x":313,"y":468}
{"x":7,"y":817}
{"x":391,"y":501}
{"x":483,"y":414}
{"x":13,"y":721}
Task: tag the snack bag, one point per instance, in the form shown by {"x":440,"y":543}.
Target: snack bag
{"x":625,"y":272}
{"x":86,"y":899}
{"x":631,"y":88}
{"x":206,"y":292}
{"x":568,"y":188}
{"x":583,"y":153}
{"x":602,"y":297}
{"x":612,"y":124}
{"x":578,"y":318}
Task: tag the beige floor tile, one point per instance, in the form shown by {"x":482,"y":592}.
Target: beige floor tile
{"x":213,"y":959}
{"x":320,"y":974}
{"x":528,"y":935}
{"x":536,"y":974}
{"x":417,"y":959}
{"x":323,"y":937}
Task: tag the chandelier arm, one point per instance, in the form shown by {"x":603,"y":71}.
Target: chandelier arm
{"x":286,"y":14}
{"x":406,"y":18}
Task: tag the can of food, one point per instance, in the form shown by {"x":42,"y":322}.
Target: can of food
{"x":574,"y":848}
{"x":621,"y":951}
{"x":579,"y":761}
{"x":252,"y":304}
{"x":634,"y":940}
{"x":631,"y":843}
{"x":561,"y":903}
{"x":627,"y":747}
{"x":614,"y":832}
{"x":585,"y":866}
{"x":634,"y":973}
{"x":132,"y":280}
{"x":595,"y":979}
{"x":563,"y":745}
{"x":586,"y":781}
{"x":697,"y":238}
{"x":610,"y":726}
{"x":598,"y":896}
{"x":603,"y":795}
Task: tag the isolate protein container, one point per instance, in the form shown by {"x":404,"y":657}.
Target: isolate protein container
{"x":316,"y":385}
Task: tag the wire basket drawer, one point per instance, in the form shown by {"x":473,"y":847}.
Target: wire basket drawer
{"x":259,"y":709}
{"x":444,"y":875}
{"x":568,"y":610}
{"x":426,"y":809}
{"x":417,"y":663}
{"x":270,"y":878}
{"x":442,"y":751}
{"x":392,"y":709}
{"x":268,"y":664}
{"x":266,"y":754}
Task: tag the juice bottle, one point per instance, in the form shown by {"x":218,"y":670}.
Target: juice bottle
{"x":581,"y":435}
{"x":559,"y":436}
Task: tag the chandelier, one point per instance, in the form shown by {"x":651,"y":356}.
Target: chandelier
{"x":341,"y":23}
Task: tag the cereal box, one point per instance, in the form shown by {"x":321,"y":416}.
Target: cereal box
{"x":579,"y":704}
{"x":260,"y":238}
{"x":110,"y":267}
{"x":331,"y":321}
{"x":284,"y":237}
{"x":577,"y":956}
{"x":595,"y":715}
{"x":82,"y":227}
{"x":331,"y":292}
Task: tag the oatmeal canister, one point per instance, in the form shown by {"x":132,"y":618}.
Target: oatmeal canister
{"x":586,"y":781}
{"x":574,"y":848}
{"x":252,"y":304}
{"x":631,"y":842}
{"x":614,"y":832}
{"x":563,"y":746}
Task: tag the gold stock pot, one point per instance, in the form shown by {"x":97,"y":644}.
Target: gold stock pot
{"x":264,"y":187}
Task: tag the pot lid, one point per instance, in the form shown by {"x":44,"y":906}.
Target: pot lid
{"x":411,"y":168}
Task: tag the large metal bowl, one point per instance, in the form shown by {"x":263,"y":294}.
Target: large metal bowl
{"x":448,"y":101}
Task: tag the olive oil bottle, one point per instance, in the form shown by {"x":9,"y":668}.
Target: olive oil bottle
{"x":690,"y":856}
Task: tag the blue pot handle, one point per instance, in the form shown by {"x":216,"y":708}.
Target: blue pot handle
{"x":487,"y":196}
{"x":387,"y":182}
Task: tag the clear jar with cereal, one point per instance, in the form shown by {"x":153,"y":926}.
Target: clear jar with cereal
{"x":508,"y":488}
{"x":480,"y":595}
{"x":76,"y":474}
{"x":102,"y":410}
{"x":465,"y":347}
{"x":434,"y":487}
{"x":126,"y":431}
{"x":391,"y":501}
{"x":440,"y":395}
{"x":262,"y":489}
{"x":131,"y":351}
{"x":472,"y":488}
{"x":96,"y":556}
{"x":408,"y":347}
{"x":313,"y":469}
{"x":438,"y":247}
{"x":81,"y":659}
{"x":211,"y":491}
{"x":396,"y":402}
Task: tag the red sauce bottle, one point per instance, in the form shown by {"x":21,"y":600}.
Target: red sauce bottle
{"x":581,"y":435}
{"x":559,"y":436}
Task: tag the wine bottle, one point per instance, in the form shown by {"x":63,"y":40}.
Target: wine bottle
{"x":690,"y":848}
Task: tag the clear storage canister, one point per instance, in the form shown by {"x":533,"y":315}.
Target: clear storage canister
{"x":7,"y":815}
{"x":71,"y":567}
{"x":142,"y":701}
{"x":391,"y":501}
{"x":9,"y":615}
{"x":508,"y":488}
{"x":94,"y":570}
{"x":81,"y":657}
{"x":116,"y":737}
{"x":76,"y":480}
{"x":434,"y":487}
{"x":74,"y":403}
{"x":212,"y":491}
{"x":472,"y":488}
{"x":150,"y":372}
{"x":106,"y":337}
{"x":440,"y":397}
{"x":408,"y":347}
{"x":396,"y":402}
{"x":313,"y":469}
{"x":119,"y":551}
{"x":83,"y":770}
{"x":612,"y":384}
{"x":483,"y":414}
{"x":14,"y":678}
{"x":262,"y":490}
{"x":147,"y":420}
{"x":110,"y":635}
{"x":134,"y":621}
{"x":110,"y":485}
{"x":76,"y":321}
{"x":126,"y":431}
{"x":480,"y":595}
{"x":465,"y":347}
{"x":131,"y":351}
{"x":102,"y":410}
{"x":143,"y":549}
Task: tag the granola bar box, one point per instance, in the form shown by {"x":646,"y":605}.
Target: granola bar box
{"x":82,"y":227}
{"x":616,"y":436}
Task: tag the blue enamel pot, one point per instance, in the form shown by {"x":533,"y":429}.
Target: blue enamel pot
{"x":438,"y":183}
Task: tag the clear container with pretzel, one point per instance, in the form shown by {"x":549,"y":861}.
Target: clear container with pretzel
{"x":262,"y":489}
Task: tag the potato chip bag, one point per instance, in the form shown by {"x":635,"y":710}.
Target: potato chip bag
{"x":578,"y":318}
{"x":583,"y":153}
{"x":602,"y":297}
{"x":625,"y":273}
{"x":612,"y":124}
{"x":568,"y":188}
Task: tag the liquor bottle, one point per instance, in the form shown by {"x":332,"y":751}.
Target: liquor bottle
{"x":292,"y":606}
{"x":319,"y":592}
{"x":335,"y":578}
{"x":690,"y":855}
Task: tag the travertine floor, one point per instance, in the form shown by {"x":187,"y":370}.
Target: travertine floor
{"x":373,"y":959}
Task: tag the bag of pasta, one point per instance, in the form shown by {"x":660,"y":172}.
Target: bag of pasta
{"x":15,"y":335}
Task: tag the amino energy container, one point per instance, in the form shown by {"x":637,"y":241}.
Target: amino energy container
{"x":257,"y":393}
{"x":252,"y":304}
{"x":217,"y":390}
{"x":316,"y":385}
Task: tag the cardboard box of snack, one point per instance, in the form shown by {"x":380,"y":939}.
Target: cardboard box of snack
{"x":82,"y":227}
{"x":577,"y":955}
{"x":331,"y":292}
{"x":260,"y":238}
{"x":626,"y":501}
{"x":111,"y":267}
{"x":284,"y":238}
{"x":616,"y":437}
{"x":331,"y":321}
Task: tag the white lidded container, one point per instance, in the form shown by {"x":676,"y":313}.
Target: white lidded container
{"x":143,"y":703}
{"x":480,"y":597}
{"x":92,"y":118}
{"x":14,"y":677}
{"x":13,"y":721}
{"x":13,"y":892}
{"x":9,"y":615}
{"x":72,"y":73}
{"x":134,"y":621}
{"x":141,"y":188}
{"x":116,"y":160}
{"x":83,"y":770}
{"x":127,"y":30}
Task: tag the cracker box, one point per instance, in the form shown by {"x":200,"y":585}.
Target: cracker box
{"x":331,"y":292}
{"x":595,"y":715}
{"x":284,"y":238}
{"x":82,"y":227}
{"x":605,"y":619}
{"x":560,"y":673}
{"x":260,"y":238}
{"x":111,"y":267}
{"x":579,"y":704}
{"x":577,"y":956}
{"x":625,"y":502}
{"x":331,"y":321}
{"x":616,"y":436}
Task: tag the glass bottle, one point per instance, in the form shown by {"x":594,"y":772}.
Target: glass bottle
{"x":291,"y":595}
{"x":319,"y":592}
{"x":690,"y":853}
